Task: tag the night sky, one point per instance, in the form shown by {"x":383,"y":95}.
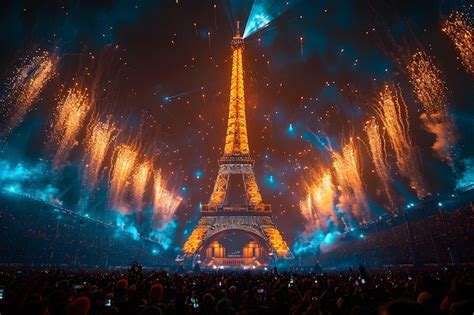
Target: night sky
{"x":166,"y":83}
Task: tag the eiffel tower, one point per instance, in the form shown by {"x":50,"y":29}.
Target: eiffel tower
{"x":222,"y":214}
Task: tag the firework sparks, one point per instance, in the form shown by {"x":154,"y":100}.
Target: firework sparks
{"x":157,"y":190}
{"x":100,"y":136}
{"x":318,"y":207}
{"x":428,"y":85}
{"x":164,"y":202}
{"x":139,"y":180}
{"x":301,"y":46}
{"x":378,"y":153}
{"x":392,"y":111}
{"x":69,"y":119}
{"x":169,"y":204}
{"x":125,"y":159}
{"x":459,"y":29}
{"x":26,"y":85}
{"x":430,"y":89}
{"x":352,"y":199}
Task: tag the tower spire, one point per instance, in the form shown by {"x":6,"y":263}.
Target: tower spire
{"x":236,"y":141}
{"x":237,"y":33}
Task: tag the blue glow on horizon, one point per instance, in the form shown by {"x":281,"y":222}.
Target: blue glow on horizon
{"x":467,"y":176}
{"x":165,"y":234}
{"x":29,"y":179}
{"x":121,"y":223}
{"x":312,"y":243}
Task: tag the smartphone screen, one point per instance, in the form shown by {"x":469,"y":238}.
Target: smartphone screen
{"x":108,"y":302}
{"x":194,"y":302}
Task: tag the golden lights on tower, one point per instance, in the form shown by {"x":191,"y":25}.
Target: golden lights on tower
{"x":194,"y":240}
{"x":236,"y":141}
{"x":276,"y":241}
{"x":253,"y":193}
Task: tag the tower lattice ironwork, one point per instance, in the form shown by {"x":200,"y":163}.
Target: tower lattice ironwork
{"x":221,"y":215}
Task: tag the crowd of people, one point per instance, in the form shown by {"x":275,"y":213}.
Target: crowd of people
{"x":40,"y":270}
{"x":137,"y":291}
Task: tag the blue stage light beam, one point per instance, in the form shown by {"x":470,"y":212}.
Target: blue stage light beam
{"x":263,"y":12}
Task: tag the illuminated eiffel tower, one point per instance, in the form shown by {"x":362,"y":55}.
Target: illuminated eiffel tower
{"x":222,"y":215}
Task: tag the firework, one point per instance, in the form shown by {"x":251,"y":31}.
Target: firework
{"x":125,"y":157}
{"x":430,"y":89}
{"x":100,"y":136}
{"x":352,"y":199}
{"x":69,"y":119}
{"x":169,"y":204}
{"x":158,"y":189}
{"x":301,"y":46}
{"x":392,"y":111}
{"x":378,"y":153}
{"x":428,"y":85}
{"x":26,"y":85}
{"x":318,"y":207}
{"x":139,"y":180}
{"x":459,"y":29}
{"x":164,"y":202}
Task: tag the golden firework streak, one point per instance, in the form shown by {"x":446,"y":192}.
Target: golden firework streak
{"x":318,"y":206}
{"x":461,"y":32}
{"x":392,"y":111}
{"x":165,"y":203}
{"x":125,"y":157}
{"x":69,"y":119}
{"x":139,"y":181}
{"x":427,"y":83}
{"x":100,"y":136}
{"x":378,"y":154}
{"x":430,"y":89}
{"x":26,"y":85}
{"x":352,"y":199}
